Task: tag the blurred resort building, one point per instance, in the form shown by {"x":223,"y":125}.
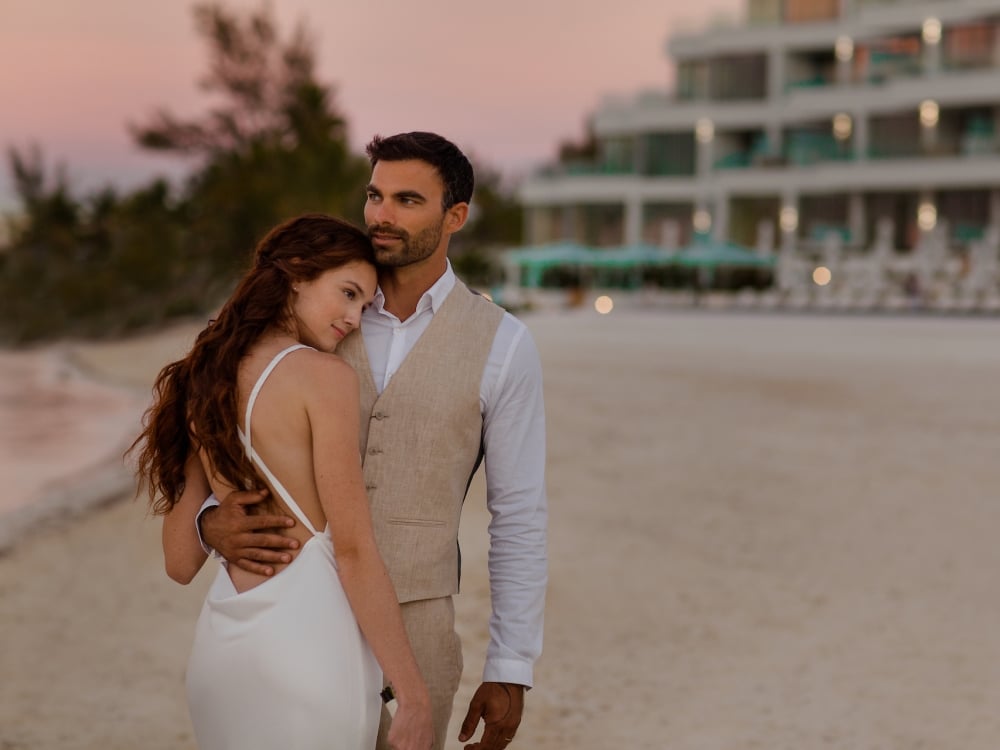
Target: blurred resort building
{"x":862,"y":136}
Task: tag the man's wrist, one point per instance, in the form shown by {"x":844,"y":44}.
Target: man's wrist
{"x":200,"y":520}
{"x":509,"y":672}
{"x":210,"y":504}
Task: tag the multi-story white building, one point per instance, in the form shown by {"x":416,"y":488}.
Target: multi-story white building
{"x":815,"y":118}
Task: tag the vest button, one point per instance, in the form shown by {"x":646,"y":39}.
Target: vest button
{"x":369,"y":486}
{"x":374,"y":451}
{"x":379,"y":415}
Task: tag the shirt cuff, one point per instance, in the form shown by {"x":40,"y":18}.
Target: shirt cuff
{"x":513,"y":671}
{"x":211,"y":502}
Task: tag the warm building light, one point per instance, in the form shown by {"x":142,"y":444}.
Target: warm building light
{"x":788,"y":219}
{"x":604,"y":304}
{"x":822,"y":276}
{"x":702,"y":221}
{"x":844,"y":48}
{"x":932,"y":31}
{"x":930,"y":113}
{"x":927,"y":216}
{"x":704,"y":130}
{"x":843,"y":125}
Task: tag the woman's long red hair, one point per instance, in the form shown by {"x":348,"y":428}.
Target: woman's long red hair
{"x":196,"y":399}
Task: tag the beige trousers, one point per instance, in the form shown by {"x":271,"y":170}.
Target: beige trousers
{"x":430,"y":625}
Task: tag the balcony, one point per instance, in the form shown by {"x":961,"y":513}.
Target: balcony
{"x":584,"y":168}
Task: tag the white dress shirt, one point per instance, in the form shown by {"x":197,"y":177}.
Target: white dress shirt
{"x":510,"y":399}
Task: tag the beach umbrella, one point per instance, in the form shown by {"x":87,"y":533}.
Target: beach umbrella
{"x":706,"y":252}
{"x":631,"y":259}
{"x":536,"y":259}
{"x":639,"y":255}
{"x":548,"y":255}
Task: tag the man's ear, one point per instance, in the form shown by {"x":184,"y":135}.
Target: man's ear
{"x":455,"y":217}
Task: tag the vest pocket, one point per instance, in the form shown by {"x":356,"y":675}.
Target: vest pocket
{"x":413,"y":521}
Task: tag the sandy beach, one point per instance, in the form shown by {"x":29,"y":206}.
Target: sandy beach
{"x":767,"y":531}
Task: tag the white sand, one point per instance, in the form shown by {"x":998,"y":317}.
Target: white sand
{"x":766,"y":532}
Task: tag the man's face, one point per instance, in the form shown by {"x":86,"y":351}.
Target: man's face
{"x":403,"y":212}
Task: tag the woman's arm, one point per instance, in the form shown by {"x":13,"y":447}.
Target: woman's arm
{"x":183,"y":555}
{"x":332,"y":406}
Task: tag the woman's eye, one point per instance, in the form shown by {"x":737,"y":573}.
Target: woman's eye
{"x":350,"y":293}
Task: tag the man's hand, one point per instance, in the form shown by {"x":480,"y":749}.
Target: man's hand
{"x":500,"y":705}
{"x":229,"y":530}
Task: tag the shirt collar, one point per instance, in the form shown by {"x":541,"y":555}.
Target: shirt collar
{"x":432,"y":298}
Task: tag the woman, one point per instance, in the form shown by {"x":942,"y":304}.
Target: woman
{"x":261,"y":402}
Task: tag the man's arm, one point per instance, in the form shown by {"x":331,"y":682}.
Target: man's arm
{"x":514,"y":442}
{"x":229,"y":530}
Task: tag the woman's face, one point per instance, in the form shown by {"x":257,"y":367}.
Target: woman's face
{"x":329,"y":307}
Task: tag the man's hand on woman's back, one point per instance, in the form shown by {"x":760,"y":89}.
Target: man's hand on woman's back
{"x":238,"y":535}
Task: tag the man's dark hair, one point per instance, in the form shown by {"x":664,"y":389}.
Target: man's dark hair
{"x":440,"y":153}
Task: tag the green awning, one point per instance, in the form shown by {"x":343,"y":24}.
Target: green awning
{"x":705,"y":252}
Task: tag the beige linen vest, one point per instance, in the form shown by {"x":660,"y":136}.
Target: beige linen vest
{"x":420,"y":442}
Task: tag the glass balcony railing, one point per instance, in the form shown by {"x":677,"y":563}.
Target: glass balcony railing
{"x":966,"y":232}
{"x":803,"y":149}
{"x":815,"y":82}
{"x":735,"y":160}
{"x":968,"y":145}
{"x":582,"y":168}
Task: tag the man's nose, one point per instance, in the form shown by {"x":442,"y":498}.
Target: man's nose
{"x":380,"y":213}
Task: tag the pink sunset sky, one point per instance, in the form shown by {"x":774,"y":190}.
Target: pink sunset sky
{"x":507,"y":81}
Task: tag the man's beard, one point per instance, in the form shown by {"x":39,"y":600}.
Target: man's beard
{"x":411,"y":249}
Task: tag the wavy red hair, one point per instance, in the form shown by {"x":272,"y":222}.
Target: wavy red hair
{"x":196,"y":399}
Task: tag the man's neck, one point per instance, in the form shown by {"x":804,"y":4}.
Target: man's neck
{"x":403,"y":287}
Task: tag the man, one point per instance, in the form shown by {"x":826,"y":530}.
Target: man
{"x":447,"y":379}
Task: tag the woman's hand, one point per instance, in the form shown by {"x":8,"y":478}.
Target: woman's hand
{"x":412,"y":727}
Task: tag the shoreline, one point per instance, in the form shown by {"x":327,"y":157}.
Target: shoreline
{"x":69,"y":428}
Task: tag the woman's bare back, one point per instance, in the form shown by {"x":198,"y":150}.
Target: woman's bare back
{"x":280,"y":434}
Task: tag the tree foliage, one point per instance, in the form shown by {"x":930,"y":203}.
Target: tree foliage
{"x":272,"y":144}
{"x":496,"y":223}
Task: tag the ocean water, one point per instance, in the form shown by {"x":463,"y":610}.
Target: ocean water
{"x":62,"y":436}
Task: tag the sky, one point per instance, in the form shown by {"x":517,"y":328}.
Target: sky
{"x":507,"y":81}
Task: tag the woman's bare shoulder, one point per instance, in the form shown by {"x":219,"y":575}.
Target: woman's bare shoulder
{"x":314,"y":369}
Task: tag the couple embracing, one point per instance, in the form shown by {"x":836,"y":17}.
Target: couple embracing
{"x":339,"y":535}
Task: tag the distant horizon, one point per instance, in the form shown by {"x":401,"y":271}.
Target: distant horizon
{"x":508,"y":86}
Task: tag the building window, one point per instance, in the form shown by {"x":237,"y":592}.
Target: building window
{"x":969,"y":46}
{"x":799,"y":11}
{"x":669,"y":154}
{"x":738,"y":77}
{"x":764,"y":11}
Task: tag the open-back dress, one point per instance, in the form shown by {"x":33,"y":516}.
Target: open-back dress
{"x":283,"y":664}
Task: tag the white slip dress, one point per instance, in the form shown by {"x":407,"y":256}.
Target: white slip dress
{"x":284,"y":664}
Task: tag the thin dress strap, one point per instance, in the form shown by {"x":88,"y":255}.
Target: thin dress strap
{"x":254,"y":456}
